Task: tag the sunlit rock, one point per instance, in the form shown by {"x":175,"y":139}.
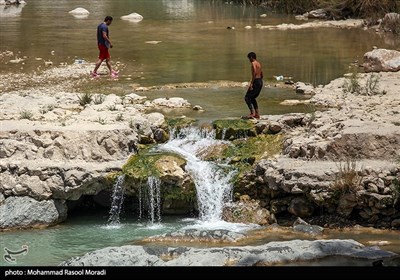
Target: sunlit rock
{"x":382,"y":60}
{"x":79,"y":13}
{"x":153,"y":42}
{"x":133,"y":17}
{"x":173,"y":102}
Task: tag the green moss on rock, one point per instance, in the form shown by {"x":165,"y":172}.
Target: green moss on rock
{"x":231,"y":129}
{"x":179,"y":122}
{"x":253,"y":149}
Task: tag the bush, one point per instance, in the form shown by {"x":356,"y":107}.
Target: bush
{"x":347,"y":180}
{"x":337,"y":9}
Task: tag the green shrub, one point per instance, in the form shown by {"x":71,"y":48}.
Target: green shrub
{"x":85,"y":98}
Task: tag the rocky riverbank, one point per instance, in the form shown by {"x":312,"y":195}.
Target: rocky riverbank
{"x":343,"y":160}
{"x":338,"y":166}
{"x":272,"y":253}
{"x":339,"y":162}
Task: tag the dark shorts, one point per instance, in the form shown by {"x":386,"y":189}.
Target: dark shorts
{"x":104,"y":54}
{"x":257,"y":87}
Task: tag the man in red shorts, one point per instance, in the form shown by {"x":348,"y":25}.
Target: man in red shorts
{"x":104,"y":43}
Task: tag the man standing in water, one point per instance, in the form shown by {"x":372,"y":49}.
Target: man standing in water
{"x":104,"y":43}
{"x":255,"y":86}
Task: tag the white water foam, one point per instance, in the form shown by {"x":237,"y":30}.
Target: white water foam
{"x":213,"y":181}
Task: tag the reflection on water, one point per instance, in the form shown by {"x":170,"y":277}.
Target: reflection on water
{"x":179,"y":9}
{"x":195,"y":46}
{"x":10,"y":10}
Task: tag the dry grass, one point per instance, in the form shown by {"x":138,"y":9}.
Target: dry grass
{"x":347,"y":179}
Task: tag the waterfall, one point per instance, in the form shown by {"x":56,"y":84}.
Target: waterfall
{"x":213,"y":181}
{"x":150,"y":200}
{"x":117,"y":200}
{"x":154,"y":199}
{"x":140,"y":202}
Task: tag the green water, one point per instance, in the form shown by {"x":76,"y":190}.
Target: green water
{"x":86,"y":232}
{"x":79,"y":235}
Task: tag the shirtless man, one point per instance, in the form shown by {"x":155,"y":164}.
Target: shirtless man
{"x":255,"y":86}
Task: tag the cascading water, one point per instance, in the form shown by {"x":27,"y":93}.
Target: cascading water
{"x":154,"y":199}
{"x":213,"y":181}
{"x":117,"y":200}
{"x":150,"y":200}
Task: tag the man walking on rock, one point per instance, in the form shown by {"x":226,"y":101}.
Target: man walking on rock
{"x":255,"y":86}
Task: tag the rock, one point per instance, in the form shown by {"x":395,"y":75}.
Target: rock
{"x":133,"y":17}
{"x":173,"y":102}
{"x":274,"y":127}
{"x":396,"y":223}
{"x":267,"y":254}
{"x":198,"y":108}
{"x":245,"y":211}
{"x":198,"y":236}
{"x":306,"y":89}
{"x":316,"y":14}
{"x":300,"y":207}
{"x":133,"y":98}
{"x":116,"y":256}
{"x":347,"y":201}
{"x":309,"y":229}
{"x":79,"y":12}
{"x":23,"y":212}
{"x":382,"y":60}
{"x":160,"y":135}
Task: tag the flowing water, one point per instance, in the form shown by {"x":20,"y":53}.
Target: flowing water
{"x":154,"y":199}
{"x":194,"y":45}
{"x":117,"y":200}
{"x":213,"y":181}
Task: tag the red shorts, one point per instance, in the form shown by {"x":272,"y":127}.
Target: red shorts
{"x":104,"y":54}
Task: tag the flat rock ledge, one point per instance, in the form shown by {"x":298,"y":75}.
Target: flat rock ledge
{"x":198,"y":236}
{"x":267,"y":254}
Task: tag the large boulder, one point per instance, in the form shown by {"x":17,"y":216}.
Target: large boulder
{"x":79,"y":11}
{"x":133,"y":17}
{"x":380,"y":60}
{"x":266,"y":254}
{"x":246,"y":211}
{"x":24,"y":212}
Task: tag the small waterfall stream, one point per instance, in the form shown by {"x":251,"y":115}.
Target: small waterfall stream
{"x":149,"y":198}
{"x":154,"y":199}
{"x":213,"y":181}
{"x":117,"y":200}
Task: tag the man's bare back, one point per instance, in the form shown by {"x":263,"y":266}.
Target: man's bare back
{"x":256,"y":70}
